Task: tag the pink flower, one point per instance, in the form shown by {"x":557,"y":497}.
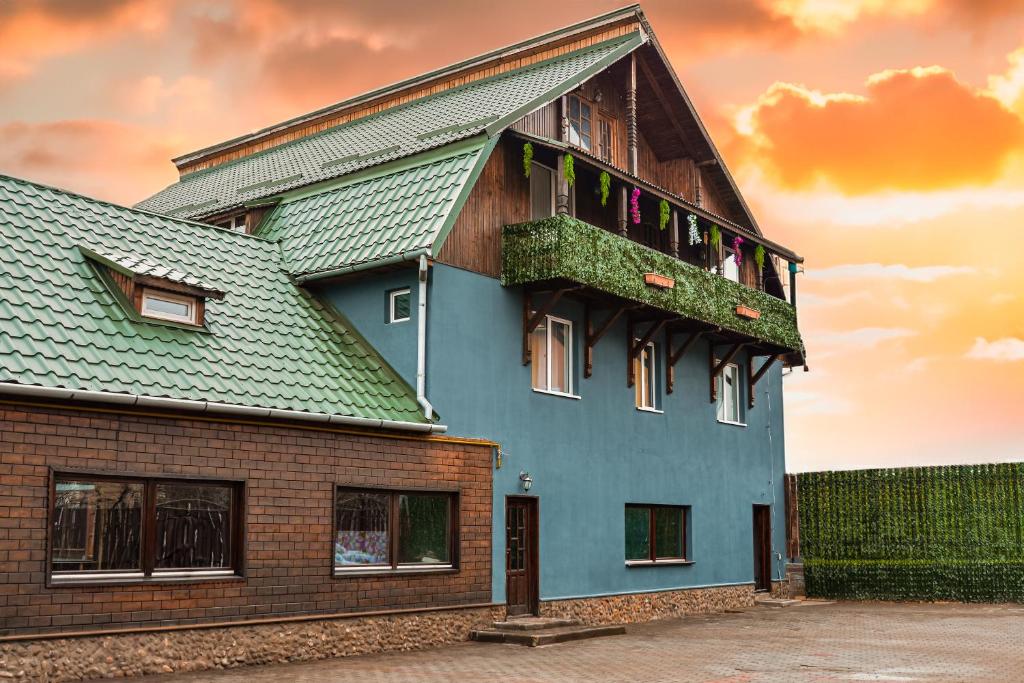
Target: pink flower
{"x":737,"y":245}
{"x":634,"y":205}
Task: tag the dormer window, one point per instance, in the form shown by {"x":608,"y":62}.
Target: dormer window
{"x":236,"y":223}
{"x":154,"y":292}
{"x":168,"y":306}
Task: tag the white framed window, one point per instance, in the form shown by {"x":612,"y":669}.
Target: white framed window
{"x":542,"y":191}
{"x":730,"y":269}
{"x":645,"y":378}
{"x":730,"y":408}
{"x":551,"y":349}
{"x":236,"y":223}
{"x":163,"y":305}
{"x":581,"y":123}
{"x":399,"y":305}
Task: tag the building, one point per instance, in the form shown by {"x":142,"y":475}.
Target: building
{"x":543,"y":241}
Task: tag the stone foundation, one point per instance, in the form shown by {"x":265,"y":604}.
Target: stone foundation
{"x":781,"y":589}
{"x":114,"y":656}
{"x":640,"y":607}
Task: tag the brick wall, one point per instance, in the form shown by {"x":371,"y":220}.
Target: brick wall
{"x":289,"y":475}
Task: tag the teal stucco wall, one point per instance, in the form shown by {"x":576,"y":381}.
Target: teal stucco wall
{"x":589,"y":456}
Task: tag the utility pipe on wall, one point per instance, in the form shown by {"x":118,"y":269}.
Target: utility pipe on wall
{"x":421,"y":341}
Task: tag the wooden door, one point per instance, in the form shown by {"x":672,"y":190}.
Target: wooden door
{"x":521,"y":570}
{"x":762,"y":548}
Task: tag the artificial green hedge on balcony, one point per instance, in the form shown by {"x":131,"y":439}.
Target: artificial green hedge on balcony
{"x":564,"y":247}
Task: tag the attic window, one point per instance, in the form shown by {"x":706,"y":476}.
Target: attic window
{"x":168,"y":306}
{"x":153,"y":291}
{"x":236,"y":223}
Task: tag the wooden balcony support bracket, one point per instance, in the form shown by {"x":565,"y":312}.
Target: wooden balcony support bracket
{"x":672,"y":357}
{"x":716,"y":368}
{"x":594,"y":335}
{"x":636,"y":349}
{"x":530,"y":322}
{"x":754,"y":377}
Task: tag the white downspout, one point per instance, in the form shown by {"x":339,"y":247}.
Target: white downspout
{"x":421,"y":342}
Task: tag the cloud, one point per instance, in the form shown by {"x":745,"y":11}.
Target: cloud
{"x":105,"y":159}
{"x":189,"y":94}
{"x":34,"y":31}
{"x":814,"y":403}
{"x":862,"y":338}
{"x":893,"y":271}
{"x":913,"y":129}
{"x":832,"y":15}
{"x":1006,"y":349}
{"x":1008,"y":87}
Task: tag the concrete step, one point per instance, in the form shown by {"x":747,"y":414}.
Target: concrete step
{"x":775,"y":602}
{"x":545,"y":636}
{"x":533,"y":623}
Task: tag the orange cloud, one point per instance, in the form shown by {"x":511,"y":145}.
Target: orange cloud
{"x":916,"y":129}
{"x":104,"y":159}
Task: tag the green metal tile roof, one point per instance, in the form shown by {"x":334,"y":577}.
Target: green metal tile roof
{"x":393,"y":211}
{"x":130,"y":264}
{"x":268,"y":343}
{"x":425,"y":123}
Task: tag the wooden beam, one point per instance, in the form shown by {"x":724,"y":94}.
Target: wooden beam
{"x":561,"y":188}
{"x":673,"y":357}
{"x":637,"y":349}
{"x":659,"y":94}
{"x":673,"y":238}
{"x":716,"y":370}
{"x":623,"y":211}
{"x":593,"y":336}
{"x":754,"y":377}
{"x":632,"y":134}
{"x":530,"y":322}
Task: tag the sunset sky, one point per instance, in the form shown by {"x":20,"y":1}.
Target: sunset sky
{"x":881,"y":139}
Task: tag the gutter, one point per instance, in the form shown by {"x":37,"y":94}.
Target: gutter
{"x":209,"y":407}
{"x":421,"y":342}
{"x":413,"y":255}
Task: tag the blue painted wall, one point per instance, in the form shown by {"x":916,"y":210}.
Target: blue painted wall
{"x":591,"y":456}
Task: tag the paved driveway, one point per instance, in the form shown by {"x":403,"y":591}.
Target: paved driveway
{"x":835,"y":642}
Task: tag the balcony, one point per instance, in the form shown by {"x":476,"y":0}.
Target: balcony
{"x":563,"y":253}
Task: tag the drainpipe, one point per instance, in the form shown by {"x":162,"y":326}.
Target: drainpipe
{"x":421,"y":342}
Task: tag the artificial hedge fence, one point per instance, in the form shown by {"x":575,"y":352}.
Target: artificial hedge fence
{"x":565,"y":247}
{"x":923,"y":533}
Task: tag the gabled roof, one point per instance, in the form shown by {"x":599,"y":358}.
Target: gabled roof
{"x":394,"y":211}
{"x":267,"y":344}
{"x":426,"y":123}
{"x":130,"y":264}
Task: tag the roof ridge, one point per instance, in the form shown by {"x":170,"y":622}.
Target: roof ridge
{"x":398,"y":86}
{"x":133,"y":209}
{"x":404,"y":105}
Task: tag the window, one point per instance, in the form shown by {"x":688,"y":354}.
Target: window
{"x":730,"y":269}
{"x":387,"y":530}
{"x":236,"y":223}
{"x":163,"y":305}
{"x":580,"y":123}
{"x":399,"y":305}
{"x":729,"y":405}
{"x":107,"y":528}
{"x":551,"y":359}
{"x":542,"y":191}
{"x":645,"y":378}
{"x":655,"y":533}
{"x":605,"y":140}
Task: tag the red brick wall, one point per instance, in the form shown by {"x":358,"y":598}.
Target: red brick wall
{"x":289,"y":473}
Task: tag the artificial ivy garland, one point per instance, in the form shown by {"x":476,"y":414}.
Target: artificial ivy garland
{"x":634,"y":205}
{"x":694,"y":231}
{"x":759,"y":258}
{"x":737,"y":246}
{"x":715,"y":238}
{"x":664,"y":213}
{"x":527,"y":158}
{"x":605,"y":181}
{"x":568,"y":165}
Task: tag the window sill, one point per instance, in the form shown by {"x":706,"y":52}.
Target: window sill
{"x":400,"y":320}
{"x":135,"y":578}
{"x":655,"y":411}
{"x":341,"y":572}
{"x":734,"y":424}
{"x":557,"y":393}
{"x":658,"y":563}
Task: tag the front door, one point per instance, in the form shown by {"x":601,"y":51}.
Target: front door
{"x":521,"y":570}
{"x":762,"y":548}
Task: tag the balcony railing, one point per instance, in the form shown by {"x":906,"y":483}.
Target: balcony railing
{"x":563,"y":248}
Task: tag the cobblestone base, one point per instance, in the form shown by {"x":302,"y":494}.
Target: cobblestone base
{"x":640,"y":607}
{"x":115,"y":656}
{"x":780,"y":589}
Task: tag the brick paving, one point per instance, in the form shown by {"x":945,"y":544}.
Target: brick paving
{"x":834,"y":642}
